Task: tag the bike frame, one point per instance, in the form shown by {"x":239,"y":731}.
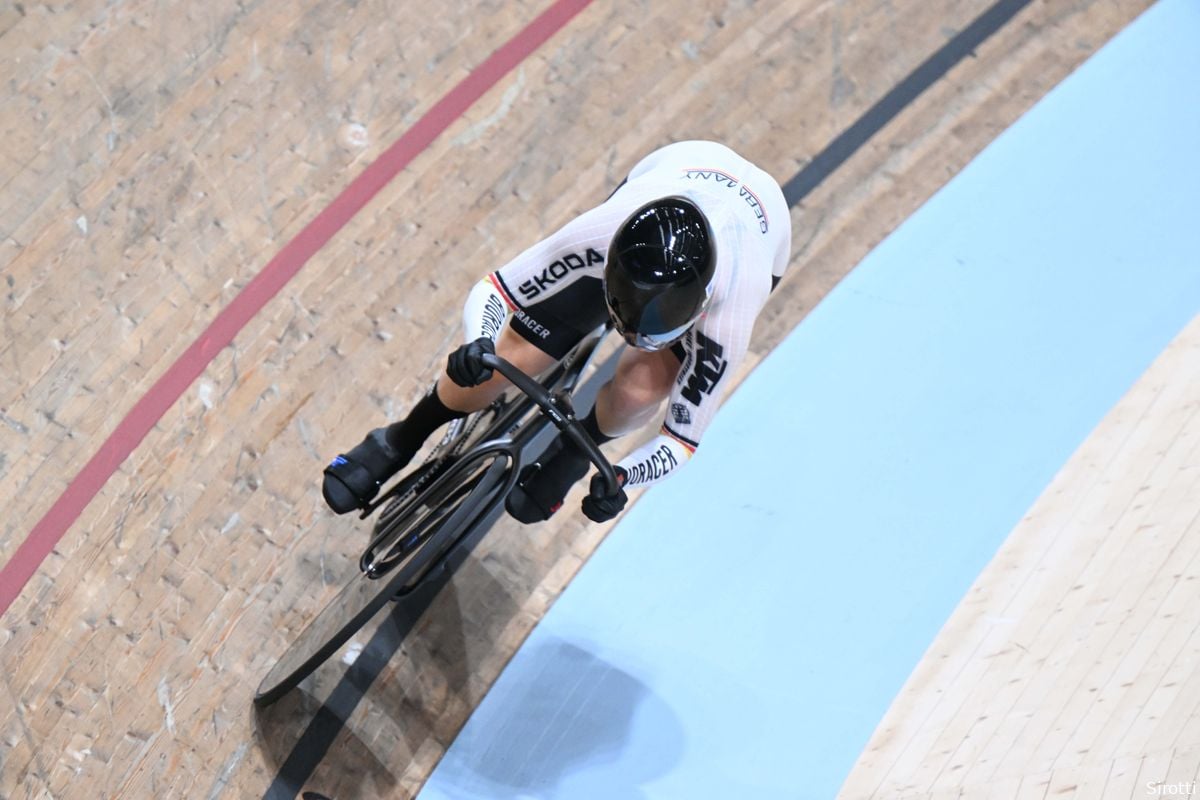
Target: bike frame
{"x":510,"y":454}
{"x":441,"y":522}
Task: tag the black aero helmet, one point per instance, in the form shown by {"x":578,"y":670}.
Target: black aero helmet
{"x":659,"y":273}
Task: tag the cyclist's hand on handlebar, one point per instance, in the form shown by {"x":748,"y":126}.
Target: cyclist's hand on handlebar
{"x":465,"y":366}
{"x":599,"y":505}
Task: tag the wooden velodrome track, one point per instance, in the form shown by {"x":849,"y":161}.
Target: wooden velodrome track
{"x":157,"y":156}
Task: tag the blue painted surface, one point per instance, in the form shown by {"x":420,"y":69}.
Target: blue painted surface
{"x":744,"y":628}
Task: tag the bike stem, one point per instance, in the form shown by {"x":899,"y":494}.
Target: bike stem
{"x":560,"y":412}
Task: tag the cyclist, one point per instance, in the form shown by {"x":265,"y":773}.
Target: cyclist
{"x":681,"y":258}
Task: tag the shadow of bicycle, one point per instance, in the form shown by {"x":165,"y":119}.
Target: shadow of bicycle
{"x":373,"y":745}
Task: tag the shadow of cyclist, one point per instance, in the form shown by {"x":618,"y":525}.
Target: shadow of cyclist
{"x":565,"y":719}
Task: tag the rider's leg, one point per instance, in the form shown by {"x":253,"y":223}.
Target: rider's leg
{"x":447,"y":400}
{"x":624,"y":404}
{"x":643,"y":380}
{"x":353,"y":479}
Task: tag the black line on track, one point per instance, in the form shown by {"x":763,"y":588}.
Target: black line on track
{"x":891,"y":104}
{"x":331,"y":717}
{"x":329,"y":720}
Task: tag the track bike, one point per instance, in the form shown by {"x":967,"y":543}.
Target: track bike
{"x":433,"y":510}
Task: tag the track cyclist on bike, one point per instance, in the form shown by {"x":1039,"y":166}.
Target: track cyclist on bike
{"x":681,"y":258}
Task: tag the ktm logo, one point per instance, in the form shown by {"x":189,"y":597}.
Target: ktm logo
{"x":557,"y":271}
{"x":708,"y":370}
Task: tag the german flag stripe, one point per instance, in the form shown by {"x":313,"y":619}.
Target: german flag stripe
{"x":688,"y":443}
{"x":500,"y":287}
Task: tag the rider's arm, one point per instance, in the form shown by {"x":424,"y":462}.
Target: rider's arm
{"x":654,"y":460}
{"x":485,"y":311}
{"x":712,"y":352}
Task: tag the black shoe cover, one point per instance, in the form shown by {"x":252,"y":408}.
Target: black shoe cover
{"x":352,"y":480}
{"x":543,"y":485}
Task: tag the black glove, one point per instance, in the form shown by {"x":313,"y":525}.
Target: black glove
{"x":464,"y":366}
{"x":599,"y":505}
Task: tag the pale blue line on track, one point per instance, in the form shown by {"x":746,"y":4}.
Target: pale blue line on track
{"x":742,"y":631}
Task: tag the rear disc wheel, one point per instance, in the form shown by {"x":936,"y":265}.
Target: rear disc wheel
{"x":409,"y":549}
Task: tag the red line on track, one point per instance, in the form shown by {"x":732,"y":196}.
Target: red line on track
{"x":265,"y":285}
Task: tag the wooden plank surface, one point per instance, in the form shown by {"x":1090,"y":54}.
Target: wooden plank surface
{"x":157,"y":154}
{"x":1074,"y":655}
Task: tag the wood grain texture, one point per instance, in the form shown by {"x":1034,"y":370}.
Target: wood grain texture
{"x":157,"y":154}
{"x":1073,"y":663}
